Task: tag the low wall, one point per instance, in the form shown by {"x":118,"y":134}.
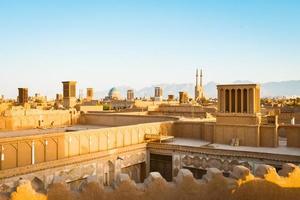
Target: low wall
{"x":88,"y":108}
{"x":268,"y":136}
{"x":292,"y":133}
{"x":110,"y":119}
{"x":183,"y":110}
{"x":103,"y":165}
{"x":194,"y":130}
{"x":182,"y":114}
{"x":263,"y":136}
{"x":247,"y":135}
{"x":146,"y":104}
{"x":265,"y":184}
{"x":32,"y":118}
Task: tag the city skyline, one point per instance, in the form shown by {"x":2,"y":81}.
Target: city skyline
{"x":160,"y":99}
{"x":105,"y":44}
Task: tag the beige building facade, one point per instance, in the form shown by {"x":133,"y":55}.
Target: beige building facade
{"x":20,"y":119}
{"x":239,"y":98}
{"x":238,"y":120}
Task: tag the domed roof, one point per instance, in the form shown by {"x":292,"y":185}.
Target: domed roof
{"x":114,"y":89}
{"x":114,"y":93}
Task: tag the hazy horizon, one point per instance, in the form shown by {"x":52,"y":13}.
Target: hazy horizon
{"x":102,"y":44}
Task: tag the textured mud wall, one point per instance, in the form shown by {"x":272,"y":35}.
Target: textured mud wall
{"x":266,"y":184}
{"x":194,"y":130}
{"x":32,"y":118}
{"x":18,"y":151}
{"x":117,"y":119}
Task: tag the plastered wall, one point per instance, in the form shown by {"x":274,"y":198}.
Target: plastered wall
{"x":29,"y":150}
{"x":255,"y":135}
{"x":32,"y":118}
{"x":268,"y":136}
{"x":120,"y":119}
{"x":194,"y":130}
{"x":292,"y":133}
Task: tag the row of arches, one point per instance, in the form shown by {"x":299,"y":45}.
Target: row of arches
{"x":236,"y":100}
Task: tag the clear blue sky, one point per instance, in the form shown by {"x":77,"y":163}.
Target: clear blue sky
{"x":139,"y":43}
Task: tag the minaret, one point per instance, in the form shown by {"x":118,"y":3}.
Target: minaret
{"x":198,"y":87}
{"x":201,"y":78}
{"x":197,"y":77}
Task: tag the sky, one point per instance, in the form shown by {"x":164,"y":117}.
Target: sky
{"x":102,"y":44}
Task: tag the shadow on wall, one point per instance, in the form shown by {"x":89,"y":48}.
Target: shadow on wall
{"x":242,"y":185}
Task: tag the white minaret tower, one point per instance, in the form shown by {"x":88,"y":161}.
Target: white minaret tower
{"x":198,"y":87}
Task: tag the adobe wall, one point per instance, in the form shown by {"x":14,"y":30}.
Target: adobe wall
{"x":104,"y":166}
{"x":110,"y":119}
{"x":263,"y":136}
{"x":292,"y":133}
{"x":208,"y":156}
{"x":29,"y":150}
{"x":145,"y":104}
{"x":238,"y":118}
{"x":247,"y":135}
{"x":87,"y":108}
{"x":247,"y":128}
{"x":183,"y":110}
{"x":268,"y":136}
{"x":32,"y":118}
{"x":194,"y":130}
{"x":180,"y":108}
{"x":264,"y":184}
{"x":182,"y":114}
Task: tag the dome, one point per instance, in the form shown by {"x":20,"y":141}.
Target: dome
{"x":114,"y":93}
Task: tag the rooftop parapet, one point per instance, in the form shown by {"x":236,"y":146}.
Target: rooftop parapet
{"x":266,"y":185}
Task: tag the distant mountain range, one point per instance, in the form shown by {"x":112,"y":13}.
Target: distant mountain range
{"x":269,"y":89}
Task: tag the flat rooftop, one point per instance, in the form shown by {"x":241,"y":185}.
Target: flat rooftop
{"x":38,"y":131}
{"x":281,"y":150}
